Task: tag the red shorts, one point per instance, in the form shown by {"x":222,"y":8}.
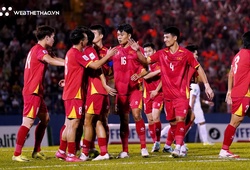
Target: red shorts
{"x":73,"y":108}
{"x":176,"y":107}
{"x":33,"y":105}
{"x":240,"y":105}
{"x":97,"y":104}
{"x":155,"y":103}
{"x":125,"y":102}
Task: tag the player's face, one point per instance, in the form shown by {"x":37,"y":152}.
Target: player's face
{"x":148,"y":51}
{"x":169,"y":39}
{"x":50,"y":40}
{"x":98,"y":36}
{"x":123,"y":37}
{"x":85,"y":41}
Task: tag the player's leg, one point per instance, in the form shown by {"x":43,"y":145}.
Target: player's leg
{"x":43,"y":115}
{"x":61,"y":153}
{"x":31,"y":104}
{"x":240,"y":107}
{"x":181,"y":108}
{"x":122,"y":105}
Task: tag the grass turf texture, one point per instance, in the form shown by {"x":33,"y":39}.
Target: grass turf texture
{"x":199,"y":157}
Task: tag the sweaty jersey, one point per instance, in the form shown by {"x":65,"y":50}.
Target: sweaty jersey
{"x":176,"y":71}
{"x":241,"y":74}
{"x":151,"y":83}
{"x":94,"y":82}
{"x":75,"y":64}
{"x":125,"y":64}
{"x":34,"y":71}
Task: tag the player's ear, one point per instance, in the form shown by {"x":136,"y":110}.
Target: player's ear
{"x":129,"y":36}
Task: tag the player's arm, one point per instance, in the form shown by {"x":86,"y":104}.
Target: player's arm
{"x":209,"y":92}
{"x":98,"y":63}
{"x":156,"y":91}
{"x":135,"y":46}
{"x":109,"y":90}
{"x":136,"y":76}
{"x":152,"y":74}
{"x":230,"y":86}
{"x":53,"y":60}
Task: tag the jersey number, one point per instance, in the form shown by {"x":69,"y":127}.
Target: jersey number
{"x":123,"y":61}
{"x":171,"y":66}
{"x":27,"y":64}
{"x":236,"y":60}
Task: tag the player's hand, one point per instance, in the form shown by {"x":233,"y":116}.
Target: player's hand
{"x":134,"y":45}
{"x":111,"y":51}
{"x":111,"y":91}
{"x":153,"y":94}
{"x":209,"y":92}
{"x":134,"y":77}
{"x":61,"y":83}
{"x":228,"y":98}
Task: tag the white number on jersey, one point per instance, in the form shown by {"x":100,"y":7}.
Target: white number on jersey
{"x":171,"y":66}
{"x":27,"y":64}
{"x":236,"y":60}
{"x":123,"y":61}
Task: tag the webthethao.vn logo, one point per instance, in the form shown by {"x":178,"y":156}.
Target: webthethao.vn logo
{"x":7,"y":11}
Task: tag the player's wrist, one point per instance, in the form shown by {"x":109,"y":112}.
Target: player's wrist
{"x":207,"y":85}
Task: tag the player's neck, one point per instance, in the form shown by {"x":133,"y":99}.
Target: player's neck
{"x":78,"y":47}
{"x":99,"y":44}
{"x":42,"y":43}
{"x":174,"y":48}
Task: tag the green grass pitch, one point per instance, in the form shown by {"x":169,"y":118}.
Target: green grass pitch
{"x":199,"y":158}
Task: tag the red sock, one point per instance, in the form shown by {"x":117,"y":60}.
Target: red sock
{"x":102,"y":142}
{"x":92,"y":143}
{"x":21,"y":137}
{"x":63,"y":145}
{"x":171,"y":135}
{"x":71,"y":148}
{"x":228,"y":137}
{"x":85,"y":147}
{"x":61,"y":131}
{"x":180,"y":133}
{"x":151,"y":128}
{"x":140,"y":129}
{"x":158,"y":131}
{"x":124,"y":133}
{"x":39,"y":133}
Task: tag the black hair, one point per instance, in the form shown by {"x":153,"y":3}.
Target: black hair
{"x":89,"y":33}
{"x":246,"y":40}
{"x":149,"y":44}
{"x":192,"y":47}
{"x":126,"y":28}
{"x":173,"y":31}
{"x":76,"y":36}
{"x":99,"y":28}
{"x":43,"y":31}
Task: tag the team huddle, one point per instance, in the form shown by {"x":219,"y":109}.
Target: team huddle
{"x":142,"y":76}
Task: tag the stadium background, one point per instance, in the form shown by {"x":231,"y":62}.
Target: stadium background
{"x":215,"y":26}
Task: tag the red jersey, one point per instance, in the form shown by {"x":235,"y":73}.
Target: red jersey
{"x":125,"y":64}
{"x":94,"y":82}
{"x":105,"y":67}
{"x":241,"y":71}
{"x":151,"y":83}
{"x":175,"y":71}
{"x":34,"y":71}
{"x":75,"y":64}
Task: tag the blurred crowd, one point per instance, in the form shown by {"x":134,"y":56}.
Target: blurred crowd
{"x":215,"y":26}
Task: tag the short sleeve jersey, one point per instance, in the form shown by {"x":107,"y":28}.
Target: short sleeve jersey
{"x":175,"y":71}
{"x":241,"y":71}
{"x":151,"y":83}
{"x":105,"y":67}
{"x":125,"y":64}
{"x":34,"y":71}
{"x":75,"y":64}
{"x":94,"y":82}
